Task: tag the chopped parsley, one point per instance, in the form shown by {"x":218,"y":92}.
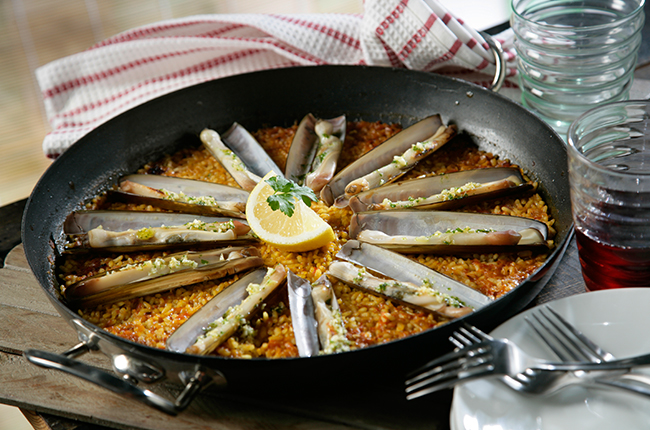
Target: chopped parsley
{"x":184,"y":198}
{"x":215,"y":227}
{"x":360,"y":276}
{"x":145,"y":233}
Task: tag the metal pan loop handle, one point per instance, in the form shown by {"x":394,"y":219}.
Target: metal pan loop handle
{"x":124,"y":387}
{"x":499,"y":61}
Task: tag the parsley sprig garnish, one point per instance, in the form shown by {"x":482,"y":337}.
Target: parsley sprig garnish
{"x":285,"y":192}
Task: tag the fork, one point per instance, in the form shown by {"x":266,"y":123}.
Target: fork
{"x":541,"y":382}
{"x":568,"y":343}
{"x":530,"y":382}
{"x":544,"y":382}
{"x":494,"y":357}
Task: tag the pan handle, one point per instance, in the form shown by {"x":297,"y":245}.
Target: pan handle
{"x":499,"y":61}
{"x":123,"y":387}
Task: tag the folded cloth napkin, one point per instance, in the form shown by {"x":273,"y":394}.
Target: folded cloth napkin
{"x":86,"y":89}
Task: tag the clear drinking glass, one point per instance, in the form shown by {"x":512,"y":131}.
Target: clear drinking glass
{"x":609,"y":176}
{"x":573,"y":55}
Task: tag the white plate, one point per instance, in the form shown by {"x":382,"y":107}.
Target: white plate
{"x":612,"y":319}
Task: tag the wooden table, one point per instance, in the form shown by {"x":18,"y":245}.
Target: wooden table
{"x":52,"y":399}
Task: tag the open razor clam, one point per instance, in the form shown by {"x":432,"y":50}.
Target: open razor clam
{"x":181,"y":195}
{"x":445,"y":191}
{"x":442,"y":232}
{"x":226,"y":312}
{"x":125,"y":231}
{"x":249,"y":151}
{"x":409,"y":281}
{"x":332,"y":333}
{"x":237,"y":168}
{"x":314,"y":152}
{"x":240,"y":154}
{"x":161,"y":274}
{"x":315,"y":316}
{"x":388,"y":161}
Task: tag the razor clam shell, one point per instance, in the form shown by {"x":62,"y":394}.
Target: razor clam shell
{"x":401,"y":268}
{"x":249,"y":258}
{"x":187,"y":333}
{"x":189,"y":187}
{"x":432,"y":185}
{"x":332,"y":333}
{"x":302,"y":150}
{"x":170,"y":205}
{"x":229,"y":160}
{"x":399,"y":166}
{"x":77,"y":225}
{"x":426,"y":223}
{"x":85,"y":220}
{"x":380,"y":156}
{"x":402,"y":292}
{"x":326,"y":158}
{"x":250,"y":152}
{"x":226,"y":327}
{"x":301,"y":305}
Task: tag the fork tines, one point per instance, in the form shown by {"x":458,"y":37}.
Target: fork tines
{"x":564,"y":339}
{"x":448,"y":370}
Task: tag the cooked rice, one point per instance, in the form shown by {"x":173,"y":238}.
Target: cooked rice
{"x":369,"y":319}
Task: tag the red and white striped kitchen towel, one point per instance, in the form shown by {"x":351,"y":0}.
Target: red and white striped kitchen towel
{"x":84,"y":90}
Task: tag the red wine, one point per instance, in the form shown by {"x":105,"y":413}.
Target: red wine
{"x":607,"y":266}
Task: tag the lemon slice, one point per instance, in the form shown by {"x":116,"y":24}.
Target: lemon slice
{"x":303,"y":231}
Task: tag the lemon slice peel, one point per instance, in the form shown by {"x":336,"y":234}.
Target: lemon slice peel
{"x":304,"y":231}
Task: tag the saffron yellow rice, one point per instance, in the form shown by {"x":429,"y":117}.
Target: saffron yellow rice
{"x":369,"y":319}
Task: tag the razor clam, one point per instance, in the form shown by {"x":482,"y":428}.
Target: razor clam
{"x":192,"y":232}
{"x":302,"y":315}
{"x":251,"y":153}
{"x":403,"y":269}
{"x":331,"y":329}
{"x":185,"y":335}
{"x":181,"y":195}
{"x":124,"y":231}
{"x":405,"y":292}
{"x":381,"y":156}
{"x":444,"y":232}
{"x":443,"y":191}
{"x":302,"y":150}
{"x":400,"y":163}
{"x":331,"y":135}
{"x":227,"y":324}
{"x":230,"y":161}
{"x":162,"y":274}
{"x":84,"y":220}
{"x":315,"y":151}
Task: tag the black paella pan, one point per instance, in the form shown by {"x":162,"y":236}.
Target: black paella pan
{"x":280,"y":97}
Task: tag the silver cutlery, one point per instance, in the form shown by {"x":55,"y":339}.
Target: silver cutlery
{"x":544,"y":382}
{"x":566,"y":341}
{"x":564,"y":347}
{"x":570,"y":344}
{"x":495,"y":357}
{"x":534,"y":382}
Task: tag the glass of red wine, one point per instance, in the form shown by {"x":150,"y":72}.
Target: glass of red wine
{"x":609,"y":176}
